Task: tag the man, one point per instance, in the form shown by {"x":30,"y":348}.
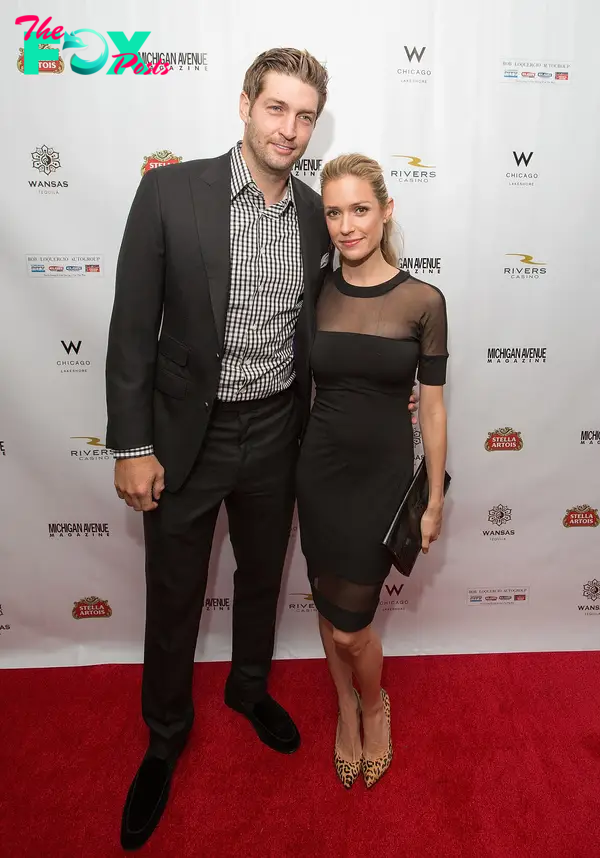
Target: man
{"x":208,"y":393}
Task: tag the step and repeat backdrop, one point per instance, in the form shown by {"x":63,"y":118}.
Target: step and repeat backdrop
{"x":484,"y":117}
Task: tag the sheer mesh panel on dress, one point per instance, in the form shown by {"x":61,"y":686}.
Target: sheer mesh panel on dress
{"x":413,"y":310}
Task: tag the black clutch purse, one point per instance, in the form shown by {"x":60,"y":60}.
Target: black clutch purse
{"x":403,"y":539}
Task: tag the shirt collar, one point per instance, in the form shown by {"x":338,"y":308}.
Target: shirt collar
{"x":241,"y":178}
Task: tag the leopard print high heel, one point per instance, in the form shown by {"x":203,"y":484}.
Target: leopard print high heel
{"x":373,"y":770}
{"x":347,"y":772}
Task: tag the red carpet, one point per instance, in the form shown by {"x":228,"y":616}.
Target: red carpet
{"x":495,"y":757}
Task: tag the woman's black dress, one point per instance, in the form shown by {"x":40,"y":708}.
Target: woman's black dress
{"x":357,"y":456}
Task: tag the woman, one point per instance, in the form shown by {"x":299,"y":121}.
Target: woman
{"x":376,"y":325}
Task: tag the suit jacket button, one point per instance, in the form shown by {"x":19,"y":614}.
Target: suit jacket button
{"x":218,"y":355}
{"x":206,"y":404}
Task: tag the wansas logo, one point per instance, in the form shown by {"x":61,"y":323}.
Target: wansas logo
{"x":503,"y":439}
{"x":304,"y":604}
{"x":419,"y":174}
{"x":581,"y":516}
{"x":91,"y":607}
{"x":162,"y":158}
{"x":590,"y":436}
{"x":418,"y":445}
{"x":497,"y":595}
{"x":4,"y":627}
{"x":517,"y":354}
{"x":391,"y":598}
{"x":40,"y":53}
{"x":528,"y":269}
{"x":78,"y":529}
{"x":176,"y":60}
{"x":421,"y":265}
{"x":217,"y":603}
{"x":535,"y":71}
{"x":46,"y":161}
{"x":74,"y":363}
{"x":499,"y":516}
{"x":522,"y":176}
{"x":415,"y":69}
{"x":591,"y":591}
{"x":75,"y":265}
{"x":94,"y":451}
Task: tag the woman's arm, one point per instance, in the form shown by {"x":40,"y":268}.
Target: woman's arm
{"x":433,"y":422}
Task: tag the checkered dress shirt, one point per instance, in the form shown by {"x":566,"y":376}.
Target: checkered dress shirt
{"x":265,"y":293}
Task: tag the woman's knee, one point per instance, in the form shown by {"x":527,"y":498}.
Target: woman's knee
{"x":352,"y":642}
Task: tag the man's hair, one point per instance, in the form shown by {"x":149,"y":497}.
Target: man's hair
{"x":289,"y":61}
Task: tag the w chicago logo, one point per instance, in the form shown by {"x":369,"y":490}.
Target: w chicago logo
{"x":74,"y":363}
{"x":523,"y":178}
{"x":416,"y":71}
{"x":391,"y":596}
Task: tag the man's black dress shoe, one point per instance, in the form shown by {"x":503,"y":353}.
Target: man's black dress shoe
{"x":273,"y":725}
{"x":146,"y":800}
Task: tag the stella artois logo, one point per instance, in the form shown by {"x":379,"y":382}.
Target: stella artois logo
{"x":161,"y":158}
{"x":504,"y":439}
{"x":89,"y":607}
{"x":44,"y":66}
{"x":581,"y":516}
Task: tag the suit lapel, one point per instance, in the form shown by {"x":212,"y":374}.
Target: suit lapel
{"x":309,"y":241}
{"x":211,"y":195}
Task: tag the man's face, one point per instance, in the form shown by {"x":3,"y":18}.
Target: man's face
{"x":281,"y":122}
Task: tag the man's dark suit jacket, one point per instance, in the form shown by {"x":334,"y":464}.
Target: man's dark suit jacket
{"x":166,"y":334}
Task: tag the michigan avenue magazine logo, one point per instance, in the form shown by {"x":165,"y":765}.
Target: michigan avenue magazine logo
{"x":78,"y":529}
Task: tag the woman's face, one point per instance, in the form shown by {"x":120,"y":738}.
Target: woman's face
{"x":354,"y":217}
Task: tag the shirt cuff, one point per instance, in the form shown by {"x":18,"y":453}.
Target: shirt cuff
{"x":133,"y":453}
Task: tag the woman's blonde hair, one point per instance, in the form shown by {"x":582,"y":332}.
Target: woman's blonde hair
{"x":365,"y":168}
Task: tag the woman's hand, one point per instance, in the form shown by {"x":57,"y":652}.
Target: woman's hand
{"x":431,"y":526}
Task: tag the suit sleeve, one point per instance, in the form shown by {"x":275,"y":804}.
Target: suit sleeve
{"x":135,"y":322}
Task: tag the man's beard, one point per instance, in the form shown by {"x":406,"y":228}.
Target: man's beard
{"x":267,"y":158}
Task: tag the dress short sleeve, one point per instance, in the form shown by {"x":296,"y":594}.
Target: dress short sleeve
{"x":433,"y":338}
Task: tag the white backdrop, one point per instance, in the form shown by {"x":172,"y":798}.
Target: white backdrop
{"x":485,"y":118}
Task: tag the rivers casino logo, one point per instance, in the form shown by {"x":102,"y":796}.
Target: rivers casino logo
{"x":526,"y":268}
{"x":413,"y":170}
{"x":503,"y":439}
{"x":304,"y":605}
